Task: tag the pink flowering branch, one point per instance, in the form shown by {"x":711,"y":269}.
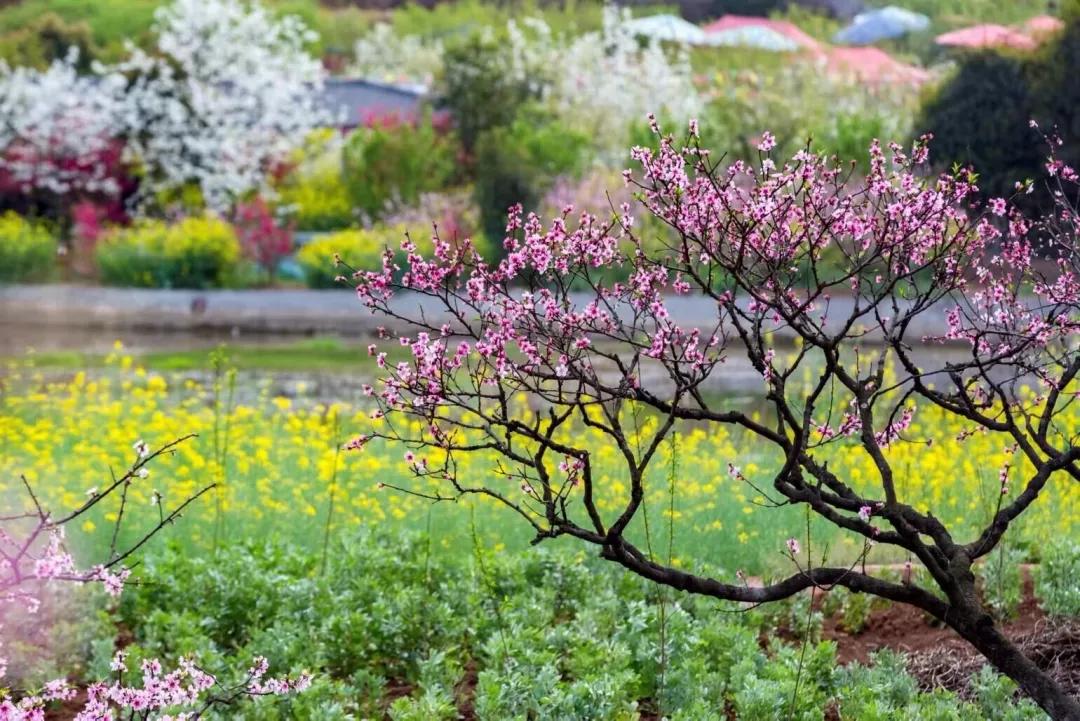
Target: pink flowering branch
{"x":813,"y":274}
{"x":33,"y":554}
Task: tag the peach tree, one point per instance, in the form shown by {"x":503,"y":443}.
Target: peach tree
{"x":801,"y":250}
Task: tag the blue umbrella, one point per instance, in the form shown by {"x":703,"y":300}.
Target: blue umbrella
{"x":888,"y":22}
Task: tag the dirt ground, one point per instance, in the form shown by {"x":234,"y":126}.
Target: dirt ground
{"x":939,"y":658}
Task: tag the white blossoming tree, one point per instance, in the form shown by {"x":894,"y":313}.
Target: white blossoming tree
{"x":57,"y":129}
{"x":386,"y":57}
{"x":230,"y":89}
{"x":609,"y":80}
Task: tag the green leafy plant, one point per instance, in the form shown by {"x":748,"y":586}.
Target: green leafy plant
{"x":1002,"y":584}
{"x":855,"y":611}
{"x":1056,"y":584}
{"x":392,"y":162}
{"x":519,"y":162}
{"x":27,"y":249}
{"x":397,"y":633}
{"x":478,"y":87}
{"x":196,"y":252}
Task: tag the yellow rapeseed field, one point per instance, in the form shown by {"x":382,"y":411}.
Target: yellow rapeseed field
{"x":282,"y":473}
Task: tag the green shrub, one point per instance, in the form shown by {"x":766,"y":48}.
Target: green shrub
{"x":197,"y":252}
{"x":998,"y":144}
{"x":518,"y":163}
{"x":1057,"y":94}
{"x":478,"y":89}
{"x":112,"y":24}
{"x":1056,"y":584}
{"x":359,"y":249}
{"x":797,"y":103}
{"x":391,"y":165}
{"x":1001,"y":146}
{"x":319,"y":202}
{"x":46,"y":39}
{"x":27,"y":249}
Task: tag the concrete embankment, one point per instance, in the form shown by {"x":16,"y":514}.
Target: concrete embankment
{"x":279,"y":312}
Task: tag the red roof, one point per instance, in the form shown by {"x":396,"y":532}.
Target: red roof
{"x":1040,"y":26}
{"x":788,"y":30}
{"x":985,"y":36}
{"x":873,"y":65}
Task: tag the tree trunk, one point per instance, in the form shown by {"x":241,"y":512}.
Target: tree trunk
{"x":1009,"y":660}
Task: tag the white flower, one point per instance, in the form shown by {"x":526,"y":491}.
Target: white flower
{"x":55,"y":125}
{"x":142,"y":473}
{"x":141,"y":448}
{"x":229,"y":89}
{"x":91,"y":492}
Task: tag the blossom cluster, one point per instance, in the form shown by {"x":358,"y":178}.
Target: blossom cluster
{"x":791,"y":249}
{"x":230,"y":88}
{"x":182,"y":694}
{"x":34,"y":554}
{"x":761,"y":227}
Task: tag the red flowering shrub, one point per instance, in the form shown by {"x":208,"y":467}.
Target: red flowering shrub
{"x":262,"y":237}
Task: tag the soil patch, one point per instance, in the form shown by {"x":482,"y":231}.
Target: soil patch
{"x":897,"y":627}
{"x":465,"y":691}
{"x":939,"y":658}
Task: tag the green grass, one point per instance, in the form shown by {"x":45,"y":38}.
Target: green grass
{"x":110,"y":21}
{"x":324,"y":354}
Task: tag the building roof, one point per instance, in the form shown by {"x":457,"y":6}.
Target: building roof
{"x":1041,"y":26}
{"x":354,"y":101}
{"x":987,"y":35}
{"x":872,"y":66}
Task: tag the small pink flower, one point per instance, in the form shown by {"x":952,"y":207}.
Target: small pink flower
{"x":793,"y":547}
